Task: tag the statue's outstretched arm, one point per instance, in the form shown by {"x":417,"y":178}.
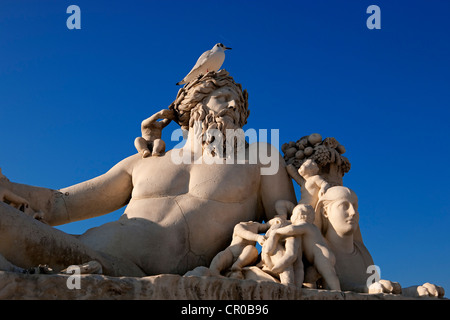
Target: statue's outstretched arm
{"x":92,"y":198}
{"x":101,"y":195}
{"x":242,"y":231}
{"x":286,"y":231}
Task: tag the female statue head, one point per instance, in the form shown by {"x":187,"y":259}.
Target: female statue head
{"x":338,"y":209}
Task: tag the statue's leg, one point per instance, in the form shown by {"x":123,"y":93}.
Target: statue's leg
{"x":287,"y":276}
{"x":221,"y":261}
{"x":248,"y":256}
{"x":26,"y":243}
{"x":311,"y":277}
{"x":299,"y":270}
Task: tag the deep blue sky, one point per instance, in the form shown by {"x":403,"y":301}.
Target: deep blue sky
{"x":71,"y":101}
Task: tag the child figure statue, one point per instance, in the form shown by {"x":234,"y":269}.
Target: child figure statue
{"x":281,"y":261}
{"x":312,"y":185}
{"x":242,"y":251}
{"x":308,"y":243}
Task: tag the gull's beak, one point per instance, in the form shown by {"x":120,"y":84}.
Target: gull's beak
{"x":226,"y":48}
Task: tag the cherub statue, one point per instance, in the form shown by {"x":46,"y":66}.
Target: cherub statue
{"x":311,"y":183}
{"x":151,"y":142}
{"x":281,"y":261}
{"x":242,"y":251}
{"x":308,"y":243}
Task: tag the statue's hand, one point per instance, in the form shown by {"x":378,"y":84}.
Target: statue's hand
{"x":16,"y":201}
{"x":142,"y":147}
{"x":324,"y":189}
{"x":152,"y":122}
{"x":425,"y":290}
{"x":261,"y":240}
{"x":292,"y":171}
{"x":434,"y":290}
{"x":13,"y":199}
{"x":10,"y":197}
{"x":166,"y":114}
{"x":385,"y":286}
{"x":270,"y":243}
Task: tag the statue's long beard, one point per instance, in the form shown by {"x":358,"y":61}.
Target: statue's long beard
{"x":214,"y":133}
{"x":214,"y":138}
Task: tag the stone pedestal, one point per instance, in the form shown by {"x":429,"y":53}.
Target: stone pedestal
{"x":163,"y":287}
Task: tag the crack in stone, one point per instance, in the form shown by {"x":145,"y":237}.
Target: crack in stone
{"x":189,"y":250}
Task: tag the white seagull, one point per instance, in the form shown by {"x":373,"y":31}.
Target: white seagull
{"x":210,"y":60}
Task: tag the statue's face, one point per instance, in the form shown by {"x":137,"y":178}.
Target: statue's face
{"x":221,"y":114}
{"x":300,"y":215}
{"x":343,"y":214}
{"x":224,"y":97}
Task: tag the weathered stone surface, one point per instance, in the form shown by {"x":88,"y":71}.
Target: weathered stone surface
{"x":166,"y":286}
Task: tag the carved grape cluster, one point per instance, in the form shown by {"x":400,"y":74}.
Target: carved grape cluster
{"x":323,"y":152}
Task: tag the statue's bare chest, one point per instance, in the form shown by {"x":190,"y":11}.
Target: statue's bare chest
{"x":221,"y":182}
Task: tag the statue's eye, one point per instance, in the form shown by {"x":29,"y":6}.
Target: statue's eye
{"x":344,"y":205}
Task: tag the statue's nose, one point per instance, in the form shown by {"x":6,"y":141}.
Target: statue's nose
{"x":232,"y":104}
{"x":352,"y":211}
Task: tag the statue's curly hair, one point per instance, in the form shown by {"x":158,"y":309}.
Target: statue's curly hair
{"x":191,"y":98}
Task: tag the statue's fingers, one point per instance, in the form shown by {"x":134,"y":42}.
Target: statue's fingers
{"x":14,"y":199}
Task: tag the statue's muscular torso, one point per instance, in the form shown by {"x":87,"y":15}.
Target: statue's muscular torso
{"x":179,"y":215}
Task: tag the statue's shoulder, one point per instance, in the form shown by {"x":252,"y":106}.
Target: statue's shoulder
{"x":128,"y":164}
{"x":166,"y":162}
{"x":267,"y":157}
{"x":263,"y":150}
